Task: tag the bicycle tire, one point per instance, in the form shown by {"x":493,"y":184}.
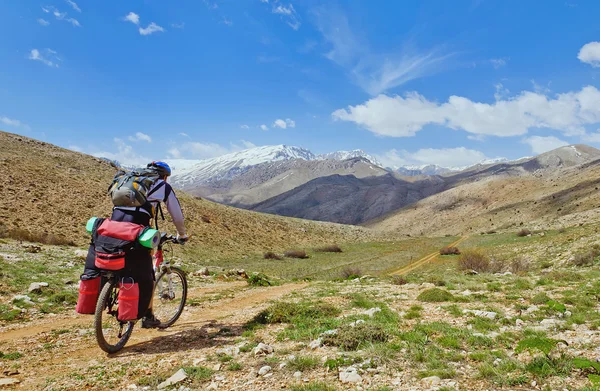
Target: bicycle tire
{"x":105,"y":295}
{"x":181,"y":275}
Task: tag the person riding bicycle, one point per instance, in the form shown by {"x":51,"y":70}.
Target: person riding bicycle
{"x":138,"y":262}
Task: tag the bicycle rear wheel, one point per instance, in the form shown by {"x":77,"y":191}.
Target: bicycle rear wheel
{"x":111,"y":333}
{"x":170,"y":294}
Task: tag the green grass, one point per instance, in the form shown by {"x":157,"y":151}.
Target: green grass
{"x":198,"y":373}
{"x":435,"y":295}
{"x":303,"y":363}
{"x":313,"y":386}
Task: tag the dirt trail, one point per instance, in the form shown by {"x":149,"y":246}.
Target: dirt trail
{"x":428,"y":258}
{"x":48,"y":323}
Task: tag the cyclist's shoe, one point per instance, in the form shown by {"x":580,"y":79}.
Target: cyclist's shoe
{"x":150,"y":322}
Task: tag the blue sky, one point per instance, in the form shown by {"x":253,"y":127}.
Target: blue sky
{"x":412,"y":82}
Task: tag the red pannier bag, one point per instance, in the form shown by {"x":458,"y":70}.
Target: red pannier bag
{"x":129,"y":297}
{"x":110,"y":261}
{"x":89,"y":290}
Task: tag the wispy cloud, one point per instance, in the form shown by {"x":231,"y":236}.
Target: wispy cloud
{"x":245,"y":127}
{"x":60,"y":15}
{"x":288,"y":14}
{"x":264,"y":127}
{"x":227,"y":22}
{"x":498,"y":63}
{"x":372,"y":71}
{"x":47,"y":56}
{"x":540,"y":144}
{"x":178,"y":25}
{"x":139,"y":136}
{"x":211,"y":5}
{"x":183,"y":134}
{"x":151,"y":29}
{"x":43,"y":22}
{"x":202,"y":150}
{"x":13,"y":122}
{"x":444,"y":157}
{"x":73,"y":5}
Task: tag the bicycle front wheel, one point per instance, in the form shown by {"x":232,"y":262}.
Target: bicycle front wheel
{"x":111,"y":333}
{"x":170,"y":294}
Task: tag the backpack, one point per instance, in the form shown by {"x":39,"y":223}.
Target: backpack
{"x":113,"y":240}
{"x":130,"y":188}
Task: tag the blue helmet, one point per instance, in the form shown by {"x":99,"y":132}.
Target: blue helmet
{"x":162,"y":168}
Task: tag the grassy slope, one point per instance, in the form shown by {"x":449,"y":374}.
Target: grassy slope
{"x":54,"y":190}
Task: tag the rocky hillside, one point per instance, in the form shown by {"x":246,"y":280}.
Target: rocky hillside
{"x":358,"y":200}
{"x":268,"y":180}
{"x":49,"y":192}
{"x":556,"y":189}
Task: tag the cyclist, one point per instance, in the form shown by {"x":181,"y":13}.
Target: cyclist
{"x":138,"y":262}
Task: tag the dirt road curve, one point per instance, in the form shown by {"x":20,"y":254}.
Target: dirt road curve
{"x":428,"y":258}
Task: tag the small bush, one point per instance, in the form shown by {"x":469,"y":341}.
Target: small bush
{"x":300,"y":254}
{"x":435,"y":295}
{"x":259,"y":279}
{"x":523,"y":232}
{"x":474,"y":260}
{"x":586,"y":258}
{"x":399,"y":280}
{"x":351,"y":273}
{"x":350,"y":338}
{"x":450,"y":251}
{"x":540,"y":298}
{"x":198,"y":373}
{"x":519,"y":265}
{"x":303,"y":363}
{"x":284,"y":312}
{"x":312,"y":386}
{"x":334,"y":248}
{"x":10,"y":356}
{"x":272,"y":255}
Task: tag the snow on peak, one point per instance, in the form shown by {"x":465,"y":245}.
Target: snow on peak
{"x":345,"y":155}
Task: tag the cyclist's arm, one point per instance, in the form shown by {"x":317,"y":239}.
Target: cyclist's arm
{"x":175,"y":211}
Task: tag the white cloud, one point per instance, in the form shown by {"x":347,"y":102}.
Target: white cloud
{"x":43,"y":22}
{"x":139,"y":136}
{"x":404,"y":116}
{"x":125,"y":154}
{"x":174,"y":153}
{"x":60,"y":15}
{"x":541,"y":144}
{"x":74,"y":5}
{"x":152,"y":28}
{"x":200,"y":150}
{"x":264,"y":1}
{"x":498,"y":63}
{"x":245,"y":127}
{"x":183,"y":134}
{"x":13,"y":122}
{"x":178,"y":25}
{"x":592,"y":137}
{"x":48,"y":57}
{"x":590,"y":54}
{"x":247,"y":144}
{"x":283,"y":124}
{"x":289,"y":14}
{"x":374,"y":72}
{"x":227,"y":22}
{"x":264,"y":127}
{"x":133,"y":18}
{"x":444,"y":157}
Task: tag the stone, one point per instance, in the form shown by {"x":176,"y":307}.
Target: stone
{"x":350,"y":375}
{"x":25,"y":298}
{"x":483,"y":314}
{"x":519,"y":323}
{"x":263,"y":349}
{"x":81,"y":253}
{"x":549,"y":323}
{"x":431,"y":380}
{"x":567,"y":313}
{"x":330,"y":332}
{"x":264,"y":370}
{"x":132,"y":387}
{"x":317,"y":343}
{"x":360,"y":321}
{"x":217,"y":367}
{"x":204,"y":272}
{"x":372,"y":311}
{"x":213,"y":386}
{"x":179,"y":376}
{"x":232,"y":351}
{"x":9,"y":381}
{"x":297,"y":375}
{"x":36,"y":287}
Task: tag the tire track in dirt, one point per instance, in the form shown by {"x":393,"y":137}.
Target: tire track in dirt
{"x":47,"y":324}
{"x":428,"y":258}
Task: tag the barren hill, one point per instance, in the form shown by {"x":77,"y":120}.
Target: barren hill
{"x":49,"y":192}
{"x":268,"y":180}
{"x":555,"y":189}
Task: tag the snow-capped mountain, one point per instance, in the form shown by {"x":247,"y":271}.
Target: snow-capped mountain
{"x":426,"y":169}
{"x":233,"y":164}
{"x":345,"y":155}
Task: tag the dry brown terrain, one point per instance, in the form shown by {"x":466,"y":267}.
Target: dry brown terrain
{"x":544,"y":199}
{"x":48,"y":193}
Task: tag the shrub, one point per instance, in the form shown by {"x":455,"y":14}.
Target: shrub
{"x":296,"y":254}
{"x":399,"y":280}
{"x":198,"y":373}
{"x":450,"y":251}
{"x":474,"y":260}
{"x":350,"y":273}
{"x":519,"y":265}
{"x":435,"y":295}
{"x":586,"y":258}
{"x":351,"y":337}
{"x":259,"y":279}
{"x":285,"y":312}
{"x":312,"y":386}
{"x":334,"y":248}
{"x":540,"y":298}
{"x":272,"y":255}
{"x":303,"y":363}
{"x":523,"y":232}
